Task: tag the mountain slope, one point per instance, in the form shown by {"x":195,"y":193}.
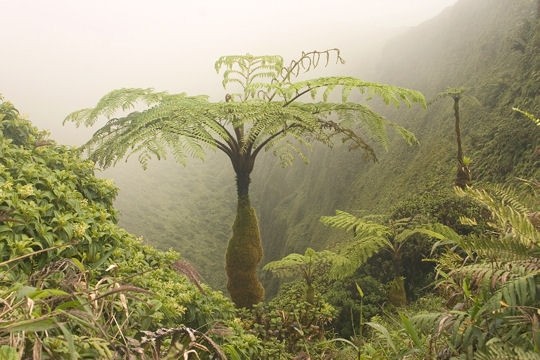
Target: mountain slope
{"x":491,"y":48}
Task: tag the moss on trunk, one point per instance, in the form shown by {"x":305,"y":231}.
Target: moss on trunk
{"x":396,"y":292}
{"x":244,"y":253}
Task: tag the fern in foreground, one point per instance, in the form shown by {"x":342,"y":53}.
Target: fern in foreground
{"x":491,"y":281}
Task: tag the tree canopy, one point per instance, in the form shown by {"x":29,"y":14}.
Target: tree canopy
{"x":263,"y":110}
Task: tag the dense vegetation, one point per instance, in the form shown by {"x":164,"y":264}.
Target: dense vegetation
{"x":407,"y":268}
{"x":75,"y":285}
{"x":487,"y":47}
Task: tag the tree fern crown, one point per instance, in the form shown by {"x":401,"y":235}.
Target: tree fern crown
{"x":260,"y":111}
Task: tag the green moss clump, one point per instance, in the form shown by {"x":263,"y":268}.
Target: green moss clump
{"x":244,"y":253}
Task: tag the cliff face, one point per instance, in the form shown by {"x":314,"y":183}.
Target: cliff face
{"x":489,"y":47}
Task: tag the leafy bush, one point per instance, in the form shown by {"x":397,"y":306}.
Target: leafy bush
{"x":490,"y":284}
{"x":289,"y":326}
{"x":75,"y":285}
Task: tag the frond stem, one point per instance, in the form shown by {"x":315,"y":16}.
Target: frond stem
{"x":272,"y":137}
{"x":299,"y":95}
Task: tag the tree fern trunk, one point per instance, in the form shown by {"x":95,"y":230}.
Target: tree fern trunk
{"x":463,"y":177}
{"x":244,"y":251}
{"x":396,"y":292}
{"x":310,"y":294}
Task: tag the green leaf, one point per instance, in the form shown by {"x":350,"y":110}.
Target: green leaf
{"x":359,"y":289}
{"x":45,"y":293}
{"x":73,"y":355}
{"x":8,"y":353}
{"x":384,"y":332}
{"x":30,"y":325}
{"x":408,"y":326}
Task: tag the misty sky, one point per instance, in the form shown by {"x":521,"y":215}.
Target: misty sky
{"x":62,"y":55}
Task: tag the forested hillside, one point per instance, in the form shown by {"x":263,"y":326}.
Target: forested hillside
{"x":488,"y":47}
{"x":189,"y":209}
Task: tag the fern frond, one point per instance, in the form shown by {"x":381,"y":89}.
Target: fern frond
{"x":246,"y":70}
{"x":502,"y":351}
{"x":426,"y":322}
{"x":368,"y":237}
{"x":358,"y":226}
{"x":509,"y":216}
{"x":305,"y":264}
{"x":353,"y":122}
{"x":121,"y":99}
{"x":491,"y":276}
{"x":528,"y":115}
{"x":388,"y":93}
{"x":518,"y":292}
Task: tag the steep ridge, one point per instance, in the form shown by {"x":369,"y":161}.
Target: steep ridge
{"x":489,"y":47}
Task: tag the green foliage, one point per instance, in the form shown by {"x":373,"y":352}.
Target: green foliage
{"x":352,"y":308}
{"x":371,"y":237}
{"x":399,"y":337}
{"x":74,"y":284}
{"x":444,"y":207}
{"x":308,"y":266}
{"x":50,"y":199}
{"x":265,"y":112}
{"x":495,"y":277}
{"x":289,"y":327}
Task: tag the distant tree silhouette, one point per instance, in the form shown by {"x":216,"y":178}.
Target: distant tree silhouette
{"x":463,"y":173}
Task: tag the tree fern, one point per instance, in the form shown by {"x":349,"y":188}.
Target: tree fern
{"x":500,"y":351}
{"x":307,"y":266}
{"x":262,"y":109}
{"x":463,"y":174}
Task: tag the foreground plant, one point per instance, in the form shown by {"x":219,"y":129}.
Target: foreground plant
{"x":491,"y":282}
{"x":75,"y":285}
{"x":370,"y":237}
{"x":262,"y":110}
{"x":306,"y":266}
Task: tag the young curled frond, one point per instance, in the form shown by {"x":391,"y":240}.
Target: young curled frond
{"x":254,"y":75}
{"x":309,"y":61}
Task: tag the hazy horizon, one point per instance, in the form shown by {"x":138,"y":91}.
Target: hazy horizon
{"x":60,"y":56}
